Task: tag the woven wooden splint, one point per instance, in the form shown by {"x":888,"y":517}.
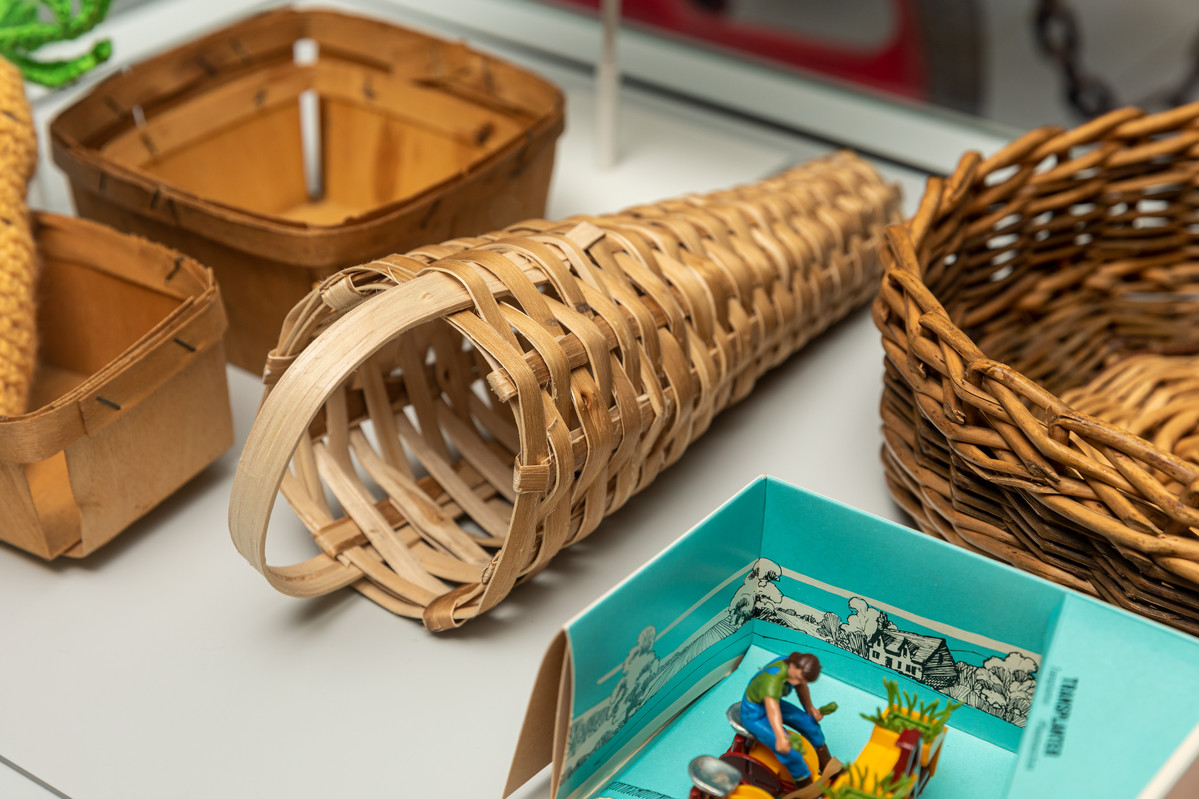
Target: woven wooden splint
{"x":455,"y":416}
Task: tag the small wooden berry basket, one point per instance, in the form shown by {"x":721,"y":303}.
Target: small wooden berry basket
{"x":1040,"y":315}
{"x":128,"y":400}
{"x":455,"y":416}
{"x":295,"y":143}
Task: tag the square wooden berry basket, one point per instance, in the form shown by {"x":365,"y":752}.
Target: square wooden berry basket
{"x":295,"y":143}
{"x":129,"y":399}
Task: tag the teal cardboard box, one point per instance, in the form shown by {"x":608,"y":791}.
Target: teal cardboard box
{"x":1061,"y":695}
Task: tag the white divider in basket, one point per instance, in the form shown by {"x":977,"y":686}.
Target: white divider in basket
{"x":306,"y":52}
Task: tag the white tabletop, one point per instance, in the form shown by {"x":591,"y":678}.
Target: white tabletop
{"x":164,"y":666}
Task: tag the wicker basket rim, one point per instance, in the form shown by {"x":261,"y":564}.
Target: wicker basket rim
{"x":904,"y":242}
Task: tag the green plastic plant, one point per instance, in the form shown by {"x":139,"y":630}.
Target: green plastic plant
{"x":24,"y":29}
{"x":922,"y":716}
{"x":797,"y":740}
{"x":859,"y":785}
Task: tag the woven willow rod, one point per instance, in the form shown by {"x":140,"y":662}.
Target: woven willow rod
{"x":455,"y":416}
{"x":1041,"y":400}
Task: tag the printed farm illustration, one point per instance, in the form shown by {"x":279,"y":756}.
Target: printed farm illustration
{"x":1001,"y":684}
{"x":983,"y":674}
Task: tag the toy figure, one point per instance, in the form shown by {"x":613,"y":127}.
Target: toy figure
{"x":764,"y":712}
{"x":897,"y":761}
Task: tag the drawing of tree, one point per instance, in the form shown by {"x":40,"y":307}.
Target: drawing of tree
{"x":860,"y":627}
{"x":1003,"y":687}
{"x":1019,"y":700}
{"x":855,"y":641}
{"x":639,"y":668}
{"x":965,"y":690}
{"x":763,"y":575}
{"x":1013,"y":668}
{"x":758,"y":596}
{"x":594,"y":728}
{"x":829,"y":626}
{"x":741,"y":608}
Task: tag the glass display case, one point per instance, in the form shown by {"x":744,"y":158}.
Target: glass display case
{"x":165,"y":666}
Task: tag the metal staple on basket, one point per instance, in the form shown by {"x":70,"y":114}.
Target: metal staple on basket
{"x":455,"y":416}
{"x":1038,"y":314}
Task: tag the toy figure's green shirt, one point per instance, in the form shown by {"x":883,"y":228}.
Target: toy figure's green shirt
{"x":770,"y":681}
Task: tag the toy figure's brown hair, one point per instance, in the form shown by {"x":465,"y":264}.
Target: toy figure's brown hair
{"x":807,"y":663}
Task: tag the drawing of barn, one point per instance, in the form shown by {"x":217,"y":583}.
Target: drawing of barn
{"x":921,"y":657}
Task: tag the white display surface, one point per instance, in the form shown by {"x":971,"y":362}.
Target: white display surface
{"x":165,"y":666}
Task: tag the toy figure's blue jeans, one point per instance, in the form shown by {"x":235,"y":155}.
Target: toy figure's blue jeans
{"x":753,"y":718}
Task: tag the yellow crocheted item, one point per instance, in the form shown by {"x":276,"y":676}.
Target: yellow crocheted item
{"x":18,"y":259}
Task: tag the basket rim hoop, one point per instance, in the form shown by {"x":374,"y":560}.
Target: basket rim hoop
{"x":289,"y":406}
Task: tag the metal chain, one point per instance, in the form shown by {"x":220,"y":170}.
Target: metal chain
{"x":1058,"y":36}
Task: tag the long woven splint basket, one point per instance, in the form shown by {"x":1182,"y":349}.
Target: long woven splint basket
{"x":295,"y":143}
{"x":1040,"y":315}
{"x":455,"y":416}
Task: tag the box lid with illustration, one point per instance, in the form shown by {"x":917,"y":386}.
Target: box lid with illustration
{"x":1061,"y":694}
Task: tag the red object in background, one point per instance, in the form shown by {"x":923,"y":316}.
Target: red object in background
{"x":932,"y":54}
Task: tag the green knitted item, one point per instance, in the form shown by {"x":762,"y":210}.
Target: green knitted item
{"x":23,"y":29}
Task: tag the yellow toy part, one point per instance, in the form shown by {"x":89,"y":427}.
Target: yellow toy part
{"x":880,"y":754}
{"x":870,"y":775}
{"x":930,"y":752}
{"x":749,"y":792}
{"x":856,"y":784}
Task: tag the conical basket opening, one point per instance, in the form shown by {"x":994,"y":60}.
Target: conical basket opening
{"x":412,"y":442}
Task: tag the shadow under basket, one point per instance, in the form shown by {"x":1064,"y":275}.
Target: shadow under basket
{"x":1040,"y":316}
{"x":129,"y":399}
{"x":295,"y":143}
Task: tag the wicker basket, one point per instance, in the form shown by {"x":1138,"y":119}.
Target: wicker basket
{"x":1039,"y":314}
{"x":539,"y":377}
{"x":203,"y":148}
{"x":129,"y":398}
